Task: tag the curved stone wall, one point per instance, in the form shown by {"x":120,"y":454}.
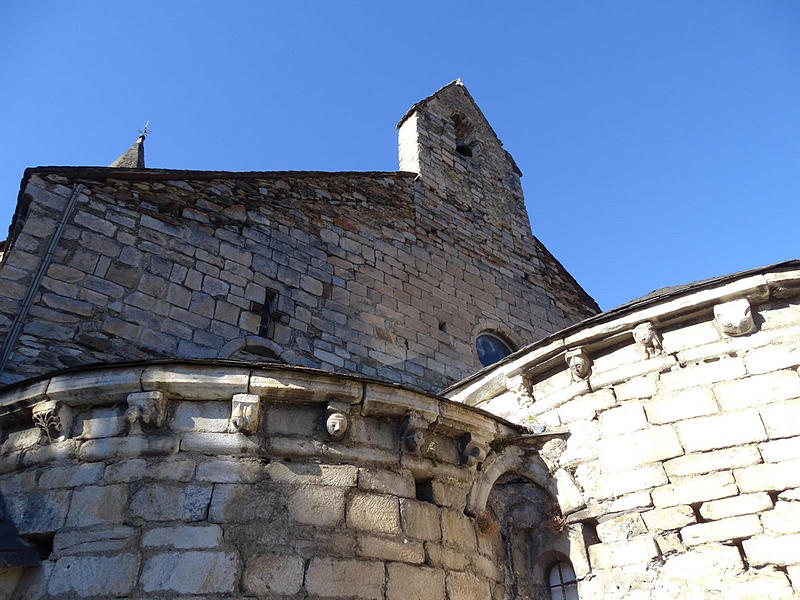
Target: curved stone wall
{"x":180,"y":479}
{"x":683,"y":451}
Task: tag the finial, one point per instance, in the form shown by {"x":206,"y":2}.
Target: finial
{"x":143,"y":133}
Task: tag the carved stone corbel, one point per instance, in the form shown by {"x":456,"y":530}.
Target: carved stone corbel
{"x":412,"y":436}
{"x":53,"y":419}
{"x":337,"y":421}
{"x":521,"y":386}
{"x":146,"y":408}
{"x":580,"y":365}
{"x":646,"y":337}
{"x":245,"y":412}
{"x":473,"y":449}
{"x":735,"y":318}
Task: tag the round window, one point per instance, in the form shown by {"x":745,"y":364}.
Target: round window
{"x":491,"y":349}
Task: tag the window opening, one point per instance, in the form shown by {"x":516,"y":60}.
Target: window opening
{"x":562,"y":582}
{"x":491,"y":348}
{"x":269,"y":314}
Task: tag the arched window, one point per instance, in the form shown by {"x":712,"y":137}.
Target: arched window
{"x":491,"y":348}
{"x":562,"y":582}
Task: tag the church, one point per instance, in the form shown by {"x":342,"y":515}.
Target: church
{"x":377,"y":385}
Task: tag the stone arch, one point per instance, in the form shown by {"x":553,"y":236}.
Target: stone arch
{"x":494,"y":327}
{"x":253,"y":346}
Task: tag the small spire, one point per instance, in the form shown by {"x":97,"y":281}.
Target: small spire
{"x":133,"y":157}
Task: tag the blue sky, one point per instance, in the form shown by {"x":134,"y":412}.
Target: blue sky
{"x":659,"y":141}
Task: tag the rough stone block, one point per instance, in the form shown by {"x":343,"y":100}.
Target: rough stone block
{"x":94,"y":540}
{"x":292,"y":419}
{"x":79,"y":475}
{"x":273,"y":574}
{"x":386,"y":482}
{"x":733,"y":528}
{"x":94,"y":575}
{"x":342,"y":578}
{"x":445,"y":494}
{"x":192,"y":572}
{"x":769,"y":477}
{"x":201,"y":416}
{"x":785,"y":518}
{"x":613,"y":485}
{"x":313,"y":474}
{"x":420,"y":520}
{"x":709,"y":560}
{"x":192,"y":382}
{"x":442,"y":557}
{"x":234,"y":503}
{"x":458,"y":530}
{"x":131,"y":446}
{"x":400,"y":550}
{"x":318,"y":505}
{"x":587,"y":406}
{"x":225,"y":470}
{"x":775,"y":550}
{"x":782,"y":419}
{"x":780,"y":450}
{"x":689,"y":336}
{"x":743,"y":504}
{"x":464,"y":586}
{"x":184,"y":536}
{"x":171,"y":502}
{"x":695,"y":489}
{"x":635,"y":550}
{"x":171,"y":469}
{"x":638,"y":448}
{"x":757,"y":390}
{"x":721,"y":431}
{"x":637,"y":388}
{"x":685,"y":404}
{"x":623,"y":419}
{"x":772,"y":358}
{"x":407,"y":582}
{"x":220,"y":443}
{"x":716,"y":460}
{"x":39,"y":512}
{"x":95,"y":505}
{"x":19,"y":440}
{"x":620,"y":528}
{"x":100,"y":423}
{"x":673,"y":517}
{"x":723,"y":369}
{"x":374,"y":513}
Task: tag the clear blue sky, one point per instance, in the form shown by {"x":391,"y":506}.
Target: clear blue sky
{"x":659,"y":141}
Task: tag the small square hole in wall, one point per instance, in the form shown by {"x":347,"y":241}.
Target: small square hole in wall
{"x":442,"y":326}
{"x":42,"y":543}
{"x":424,"y":488}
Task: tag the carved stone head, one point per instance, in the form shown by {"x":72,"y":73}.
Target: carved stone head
{"x":735,"y":318}
{"x":245,"y":410}
{"x":336,"y":424}
{"x":580,"y":365}
{"x":646,"y":336}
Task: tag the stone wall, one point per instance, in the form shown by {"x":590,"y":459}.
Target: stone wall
{"x":683,"y":422}
{"x":180,"y":479}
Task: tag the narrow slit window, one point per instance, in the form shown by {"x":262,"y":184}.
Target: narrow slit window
{"x":562,"y":582}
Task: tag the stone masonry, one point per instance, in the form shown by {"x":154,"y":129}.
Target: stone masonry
{"x":389,"y":275}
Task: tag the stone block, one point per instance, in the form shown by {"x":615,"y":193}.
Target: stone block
{"x":673,"y":517}
{"x":723,"y":369}
{"x":344,"y":578}
{"x":635,"y":550}
{"x":93,"y":540}
{"x":732,"y":528}
{"x":458,"y":530}
{"x":638,"y":448}
{"x":221,"y":443}
{"x":96,"y":505}
{"x":405,"y":582}
{"x":586,"y":406}
{"x":621,"y":528}
{"x":372,"y":512}
{"x":201,"y":416}
{"x":773,"y":550}
{"x":171,"y":469}
{"x":420,"y":520}
{"x":318,"y":505}
{"x":465,"y":586}
{"x":570,"y":498}
{"x":790,"y":495}
{"x":782,"y":419}
{"x":757,"y":390}
{"x":684,"y":404}
{"x":695,"y":489}
{"x":386,"y":482}
{"x":94,"y":575}
{"x":292,"y":419}
{"x":709,"y":560}
{"x":639,"y":499}
{"x":79,"y":475}
{"x":772,"y":358}
{"x":194,"y":382}
{"x":231,"y":470}
{"x":193,"y":572}
{"x":637,"y":388}
{"x":721,"y":431}
{"x":613,"y":485}
{"x":769,"y":477}
{"x":785,"y":518}
{"x":313,"y":474}
{"x":449,"y":495}
{"x":171,"y":502}
{"x":400,"y":550}
{"x":131,"y":446}
{"x":689,"y":337}
{"x":623,"y":419}
{"x":442,"y":557}
{"x":183,"y":536}
{"x":100,"y":423}
{"x":273,"y":573}
{"x":716,"y":460}
{"x":38,"y":512}
{"x":743,"y":504}
{"x":19,"y":440}
{"x":780,"y":450}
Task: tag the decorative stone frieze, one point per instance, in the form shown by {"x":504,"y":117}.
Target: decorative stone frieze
{"x":245,"y":411}
{"x":647,"y":339}
{"x":734,"y":318}
{"x":580,"y":365}
{"x":337,"y":422}
{"x":53,"y":419}
{"x":146,"y":408}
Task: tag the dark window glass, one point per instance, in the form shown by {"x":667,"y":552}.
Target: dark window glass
{"x":491,"y":349}
{"x":561,"y":580}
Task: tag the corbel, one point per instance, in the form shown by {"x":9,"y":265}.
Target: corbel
{"x":245,"y":413}
{"x":146,"y":408}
